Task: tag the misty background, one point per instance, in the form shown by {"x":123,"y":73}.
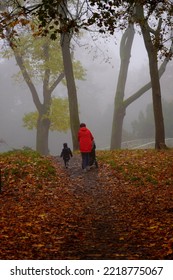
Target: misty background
{"x":96,"y":94}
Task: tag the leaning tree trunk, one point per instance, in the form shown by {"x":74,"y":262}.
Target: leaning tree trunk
{"x":119,"y":109}
{"x":155,"y":82}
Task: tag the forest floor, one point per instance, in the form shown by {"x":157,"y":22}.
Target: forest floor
{"x":118,"y":211}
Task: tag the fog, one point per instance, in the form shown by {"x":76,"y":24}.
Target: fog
{"x":95,"y":94}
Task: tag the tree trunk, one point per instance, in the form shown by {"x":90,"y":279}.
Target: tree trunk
{"x":43,"y":125}
{"x":155,"y":82}
{"x":118,"y":117}
{"x":157,"y":102}
{"x":71,"y":87}
{"x":119,"y":109}
{"x":68,"y":70}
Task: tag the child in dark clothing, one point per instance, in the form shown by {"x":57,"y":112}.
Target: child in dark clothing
{"x":66,"y":154}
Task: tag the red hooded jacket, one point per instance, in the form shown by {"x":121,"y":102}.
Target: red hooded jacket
{"x":85,"y":139}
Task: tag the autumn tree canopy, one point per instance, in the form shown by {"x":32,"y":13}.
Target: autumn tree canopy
{"x":107,"y":15}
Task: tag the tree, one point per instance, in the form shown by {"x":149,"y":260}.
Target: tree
{"x":55,"y":17}
{"x":152,"y":47}
{"x":43,"y":108}
{"x":119,"y":108}
{"x":64,"y":14}
{"x":39,"y":58}
{"x":155,"y":23}
{"x":121,"y":104}
{"x":60,"y":14}
{"x":66,"y":37}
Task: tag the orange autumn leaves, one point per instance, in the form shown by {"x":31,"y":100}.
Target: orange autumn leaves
{"x":148,"y":186}
{"x":33,"y":203}
{"x":142,"y":167}
{"x":123,"y":210}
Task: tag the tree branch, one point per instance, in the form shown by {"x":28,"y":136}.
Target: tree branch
{"x":28,"y":80}
{"x":145,"y":88}
{"x":58,"y":80}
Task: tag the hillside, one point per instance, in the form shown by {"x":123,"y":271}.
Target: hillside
{"x":122,"y":210}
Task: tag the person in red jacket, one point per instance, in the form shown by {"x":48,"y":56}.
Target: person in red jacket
{"x":85,"y":139}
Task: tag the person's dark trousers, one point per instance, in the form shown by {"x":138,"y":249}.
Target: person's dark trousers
{"x":85,"y":160}
{"x":66,"y":161}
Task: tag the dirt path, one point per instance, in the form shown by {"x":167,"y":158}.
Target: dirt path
{"x":107,"y":220}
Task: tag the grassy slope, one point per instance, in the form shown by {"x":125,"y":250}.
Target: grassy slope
{"x":141,"y":167}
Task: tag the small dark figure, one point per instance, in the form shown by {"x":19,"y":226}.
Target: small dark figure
{"x":66,"y":154}
{"x":93,"y":159}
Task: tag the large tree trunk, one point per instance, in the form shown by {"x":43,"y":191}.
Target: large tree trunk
{"x":119,"y":109}
{"x":68,"y":70}
{"x":43,"y":125}
{"x":157,"y":102}
{"x":118,"y":118}
{"x":154,"y":74}
{"x":72,"y":94}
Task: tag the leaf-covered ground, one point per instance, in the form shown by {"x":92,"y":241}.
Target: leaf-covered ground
{"x":122,"y":210}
